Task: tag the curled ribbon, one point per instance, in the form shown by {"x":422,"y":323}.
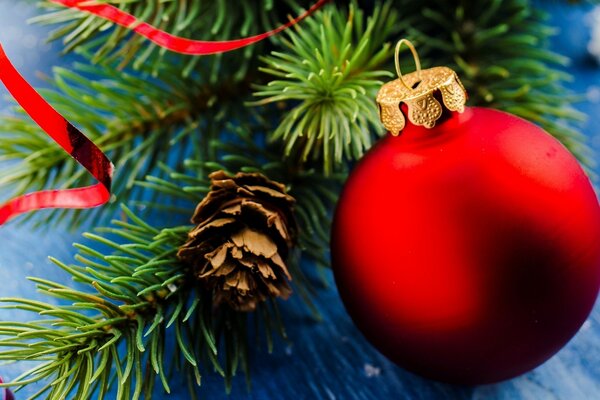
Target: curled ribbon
{"x":172,"y":42}
{"x":70,"y":138}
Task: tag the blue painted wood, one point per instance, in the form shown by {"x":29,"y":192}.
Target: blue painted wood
{"x":329,"y":359}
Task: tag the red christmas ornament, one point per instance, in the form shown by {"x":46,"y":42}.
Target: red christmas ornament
{"x":470,"y":252}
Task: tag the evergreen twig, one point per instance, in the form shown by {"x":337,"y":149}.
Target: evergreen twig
{"x":174,"y":116}
{"x":112,"y":336}
{"x":329,"y":76}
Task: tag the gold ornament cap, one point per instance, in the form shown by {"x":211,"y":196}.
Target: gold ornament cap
{"x":417,"y":90}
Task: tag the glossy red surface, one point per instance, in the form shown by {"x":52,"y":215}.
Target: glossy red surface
{"x":469,"y":253}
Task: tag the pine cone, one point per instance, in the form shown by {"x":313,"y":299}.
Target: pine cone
{"x":245,"y":229}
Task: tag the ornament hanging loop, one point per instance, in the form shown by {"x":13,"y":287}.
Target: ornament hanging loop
{"x":420,"y":92}
{"x":416,"y":58}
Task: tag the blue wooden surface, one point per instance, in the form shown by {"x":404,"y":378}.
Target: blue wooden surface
{"x":327,"y":360}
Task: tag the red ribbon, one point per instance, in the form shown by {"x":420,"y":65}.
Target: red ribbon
{"x":171,"y":42}
{"x":69,"y":138}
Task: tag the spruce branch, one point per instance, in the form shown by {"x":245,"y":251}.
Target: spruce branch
{"x":127,"y":301}
{"x":194,"y":19}
{"x":174,"y":116}
{"x":112,"y":334}
{"x":328,"y":77}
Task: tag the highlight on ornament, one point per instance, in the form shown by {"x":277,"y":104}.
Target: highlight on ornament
{"x":465,"y":244}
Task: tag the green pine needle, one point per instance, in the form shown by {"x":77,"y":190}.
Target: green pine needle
{"x":105,"y":332}
{"x":112,"y":334}
{"x":328,"y":76}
